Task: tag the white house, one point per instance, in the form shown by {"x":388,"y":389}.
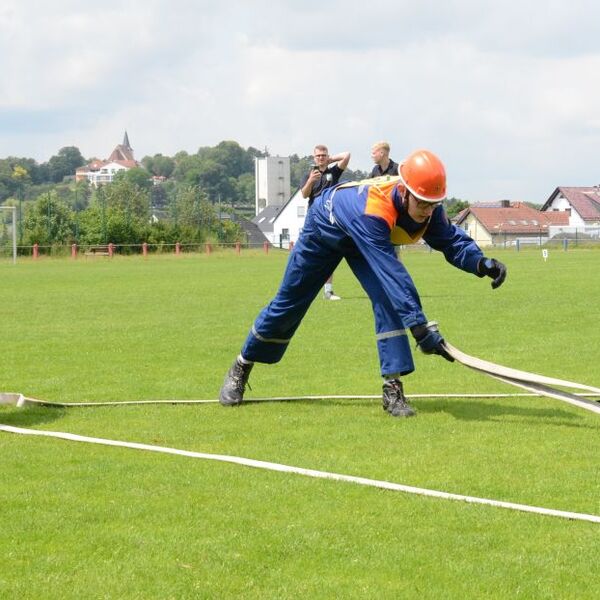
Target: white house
{"x":283,"y":224}
{"x":104,"y":173}
{"x":581,"y":204}
{"x":99,"y":172}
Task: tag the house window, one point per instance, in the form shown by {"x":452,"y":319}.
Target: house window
{"x":301,"y":211}
{"x":285,"y":234}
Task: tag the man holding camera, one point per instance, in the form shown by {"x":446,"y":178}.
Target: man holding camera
{"x":324,"y":173}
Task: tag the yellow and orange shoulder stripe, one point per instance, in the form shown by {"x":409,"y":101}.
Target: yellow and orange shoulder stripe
{"x":379,"y":197}
{"x":379,"y":203}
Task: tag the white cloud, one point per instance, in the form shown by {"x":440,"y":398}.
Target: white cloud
{"x":505,"y":93}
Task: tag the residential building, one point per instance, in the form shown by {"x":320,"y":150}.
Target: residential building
{"x":283,"y":224}
{"x":581,"y":205}
{"x":505,"y":222}
{"x":99,"y":172}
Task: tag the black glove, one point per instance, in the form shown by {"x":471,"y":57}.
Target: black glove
{"x":429,"y":339}
{"x":492,"y":268}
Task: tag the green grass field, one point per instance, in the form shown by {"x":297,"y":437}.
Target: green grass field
{"x":82,"y":521}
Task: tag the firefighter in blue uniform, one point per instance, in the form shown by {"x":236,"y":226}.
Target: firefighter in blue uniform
{"x":361,"y":222}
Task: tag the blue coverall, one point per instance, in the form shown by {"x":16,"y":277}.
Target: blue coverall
{"x":355,"y":221}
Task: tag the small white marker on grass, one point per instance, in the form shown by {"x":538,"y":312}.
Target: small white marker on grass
{"x":545,"y":254}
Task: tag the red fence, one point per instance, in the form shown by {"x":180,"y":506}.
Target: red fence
{"x":145,"y":249}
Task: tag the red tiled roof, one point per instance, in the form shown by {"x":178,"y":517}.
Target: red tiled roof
{"x":556,"y":217}
{"x":130,"y":164}
{"x":584,"y":200}
{"x":120,"y":153}
{"x":518,"y":218}
{"x":95,"y":165}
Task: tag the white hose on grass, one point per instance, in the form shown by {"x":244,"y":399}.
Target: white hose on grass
{"x":21,"y":400}
{"x":270,"y":466}
{"x":537,"y":384}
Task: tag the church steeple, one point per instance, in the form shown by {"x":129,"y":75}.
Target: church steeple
{"x":123,"y":151}
{"x":126,"y":143}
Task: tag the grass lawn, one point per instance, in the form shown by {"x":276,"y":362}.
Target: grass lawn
{"x":82,"y":521}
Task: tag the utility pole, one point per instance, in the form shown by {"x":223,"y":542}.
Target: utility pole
{"x":76,"y":217}
{"x":220,"y":221}
{"x":49,"y":215}
{"x":14,"y":230}
{"x":21,"y":214}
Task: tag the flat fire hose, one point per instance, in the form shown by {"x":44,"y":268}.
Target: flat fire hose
{"x":539,"y":384}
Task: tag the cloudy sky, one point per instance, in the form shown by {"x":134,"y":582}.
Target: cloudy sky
{"x":507,"y":93}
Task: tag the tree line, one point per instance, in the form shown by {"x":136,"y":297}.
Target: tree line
{"x":120,"y":212}
{"x":196,"y":191}
{"x":225,"y":172}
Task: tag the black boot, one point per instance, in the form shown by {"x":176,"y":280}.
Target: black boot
{"x":232,"y":391}
{"x":394,"y":400}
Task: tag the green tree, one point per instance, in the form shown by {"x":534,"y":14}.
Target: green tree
{"x":225,"y":172}
{"x":127,"y":197}
{"x":49,"y":221}
{"x":21,"y":174}
{"x":230,"y":232}
{"x":255,"y":153}
{"x":231,"y":156}
{"x":454,"y":205}
{"x":118,"y":212}
{"x":159,"y":165}
{"x":159,"y":196}
{"x":137,"y":176}
{"x":212,"y":177}
{"x":354,"y":175}
{"x":80,"y":195}
{"x":245,"y":188}
{"x":184,"y":163}
{"x":193,"y":210}
{"x":64,"y":163}
{"x":9,"y":184}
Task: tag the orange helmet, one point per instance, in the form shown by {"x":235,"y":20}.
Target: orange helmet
{"x":423,"y":174}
